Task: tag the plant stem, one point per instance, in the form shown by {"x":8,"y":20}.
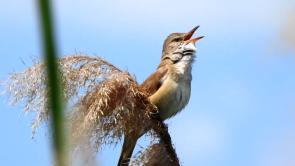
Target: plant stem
{"x":53,"y":83}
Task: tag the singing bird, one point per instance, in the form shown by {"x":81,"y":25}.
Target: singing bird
{"x":169,"y":86}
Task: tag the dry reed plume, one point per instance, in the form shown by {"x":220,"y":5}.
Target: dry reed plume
{"x":155,"y":154}
{"x":103,"y":102}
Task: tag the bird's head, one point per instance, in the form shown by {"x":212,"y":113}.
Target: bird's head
{"x":180,"y":45}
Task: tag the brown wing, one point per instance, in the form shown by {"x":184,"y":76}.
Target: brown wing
{"x":155,"y":80}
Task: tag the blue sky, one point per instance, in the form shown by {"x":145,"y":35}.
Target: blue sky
{"x":242,"y":109}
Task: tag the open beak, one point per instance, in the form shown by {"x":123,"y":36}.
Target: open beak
{"x":188,"y":37}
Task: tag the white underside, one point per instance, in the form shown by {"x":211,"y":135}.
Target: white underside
{"x":177,"y":88}
{"x":177,"y":99}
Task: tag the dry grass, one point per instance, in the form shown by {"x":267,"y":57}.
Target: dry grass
{"x":104,"y":103}
{"x":113,"y":108}
{"x":155,"y":154}
{"x":80,"y":74}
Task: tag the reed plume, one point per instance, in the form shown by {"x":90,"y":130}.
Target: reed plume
{"x":103,"y":103}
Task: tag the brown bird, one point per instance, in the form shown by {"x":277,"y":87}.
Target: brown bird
{"x":170,"y":85}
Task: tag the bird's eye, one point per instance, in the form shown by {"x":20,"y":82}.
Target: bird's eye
{"x":177,"y":40}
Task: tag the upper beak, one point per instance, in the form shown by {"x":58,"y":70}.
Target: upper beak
{"x":188,"y":37}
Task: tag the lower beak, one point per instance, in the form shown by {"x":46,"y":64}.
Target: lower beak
{"x":193,"y":40}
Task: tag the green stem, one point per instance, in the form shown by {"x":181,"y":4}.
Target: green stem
{"x":53,"y":83}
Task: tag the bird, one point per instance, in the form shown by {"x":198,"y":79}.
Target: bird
{"x":169,"y":87}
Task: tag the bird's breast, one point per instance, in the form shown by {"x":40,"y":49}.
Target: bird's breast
{"x":172,"y":96}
